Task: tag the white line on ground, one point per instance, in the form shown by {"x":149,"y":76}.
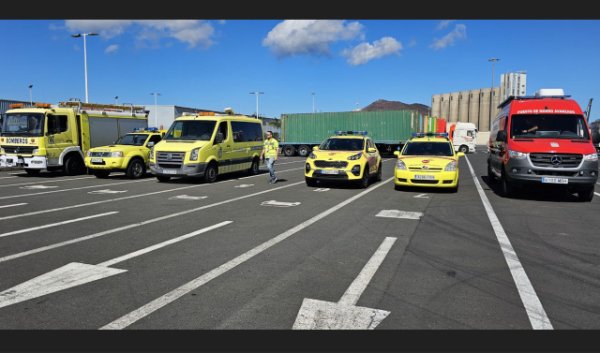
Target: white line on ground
{"x":597,"y":194}
{"x":399,"y":214}
{"x":10,"y":177}
{"x":13,"y":205}
{"x":127,"y":197}
{"x":56,"y":224}
{"x":535,"y":311}
{"x":138,"y":224}
{"x":45,"y":181}
{"x":175,"y":294}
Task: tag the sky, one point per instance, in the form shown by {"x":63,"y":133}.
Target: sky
{"x":348,"y":64}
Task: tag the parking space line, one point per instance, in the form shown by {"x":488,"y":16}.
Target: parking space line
{"x":10,"y":177}
{"x":597,"y":194}
{"x":138,"y":224}
{"x":56,"y":224}
{"x":175,"y":294}
{"x":127,"y":197}
{"x":535,"y":311}
{"x":45,"y":181}
{"x":13,"y":205}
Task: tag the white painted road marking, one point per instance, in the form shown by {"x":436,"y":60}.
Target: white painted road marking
{"x":279,"y":203}
{"x":10,"y":177}
{"x":135,"y":225}
{"x":186,"y":197}
{"x":56,"y":224}
{"x":421,"y":196}
{"x":535,"y":311}
{"x":321,"y":189}
{"x":244,"y":186}
{"x":106,"y":191}
{"x":79,"y":188}
{"x":76,"y":273}
{"x":399,"y":214}
{"x":44,"y":181}
{"x":597,"y":194}
{"x":319,"y":315}
{"x":125,"y":198}
{"x":177,"y":293}
{"x":38,"y":187}
{"x":14,"y":205}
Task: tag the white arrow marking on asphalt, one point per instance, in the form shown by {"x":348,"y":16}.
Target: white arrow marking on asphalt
{"x":56,"y":224}
{"x":399,"y":214}
{"x":321,"y":189}
{"x":187,"y":197}
{"x":421,"y":196}
{"x":244,"y":185}
{"x":279,"y":203}
{"x":16,"y":204}
{"x":107,"y":191}
{"x":75,"y":273}
{"x":322,"y":315}
{"x":36,"y":187}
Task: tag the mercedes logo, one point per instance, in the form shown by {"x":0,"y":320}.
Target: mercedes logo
{"x":556,"y":160}
{"x":169,"y":156}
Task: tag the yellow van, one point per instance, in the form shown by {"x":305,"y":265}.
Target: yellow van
{"x":206,"y":145}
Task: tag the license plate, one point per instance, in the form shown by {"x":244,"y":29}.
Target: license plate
{"x":548,"y":180}
{"x":96,"y":160}
{"x":329,"y":172}
{"x":169,"y":171}
{"x":425,"y":177}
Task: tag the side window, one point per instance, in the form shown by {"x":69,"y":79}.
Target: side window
{"x":223,"y":130}
{"x":470,"y":133}
{"x":246,"y":132}
{"x":155,"y":139}
{"x":238,"y":131}
{"x":57,"y":124}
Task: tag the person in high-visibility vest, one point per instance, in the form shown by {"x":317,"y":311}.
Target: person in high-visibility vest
{"x":269,"y":155}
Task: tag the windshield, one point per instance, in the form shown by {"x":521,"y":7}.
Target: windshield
{"x":191,"y":130}
{"x":342,"y":145}
{"x":133,"y":140}
{"x":428,"y":149}
{"x":23,"y":124}
{"x":562,"y":126}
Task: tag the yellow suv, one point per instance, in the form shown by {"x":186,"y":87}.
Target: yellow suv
{"x":427,"y":160}
{"x":129,"y":154}
{"x":347,"y":156}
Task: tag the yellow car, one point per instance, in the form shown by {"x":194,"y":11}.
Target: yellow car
{"x":347,"y":156}
{"x":129,"y":154}
{"x":427,"y":160}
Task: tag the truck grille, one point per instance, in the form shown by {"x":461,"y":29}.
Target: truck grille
{"x":555,"y":160}
{"x":19,"y":149}
{"x":328,"y":164}
{"x":170,"y":159}
{"x":100,"y":154}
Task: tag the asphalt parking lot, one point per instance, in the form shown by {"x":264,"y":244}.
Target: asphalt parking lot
{"x":86,"y":253}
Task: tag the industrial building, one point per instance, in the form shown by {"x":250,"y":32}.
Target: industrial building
{"x":478,"y":106}
{"x":513,"y":84}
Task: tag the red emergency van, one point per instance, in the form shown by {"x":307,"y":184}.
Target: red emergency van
{"x":542,"y":139}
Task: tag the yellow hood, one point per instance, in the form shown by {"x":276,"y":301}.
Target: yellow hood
{"x":178,"y":146}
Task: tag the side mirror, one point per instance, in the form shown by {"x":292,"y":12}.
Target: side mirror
{"x":219,"y":138}
{"x":371,"y":150}
{"x":397,"y":153}
{"x":460,"y":154}
{"x":315,"y":148}
{"x":501,"y":137}
{"x":150,"y":144}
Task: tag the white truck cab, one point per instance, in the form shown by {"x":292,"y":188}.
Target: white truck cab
{"x":463,"y":136}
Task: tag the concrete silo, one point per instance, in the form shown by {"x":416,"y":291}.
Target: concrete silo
{"x":463,"y":106}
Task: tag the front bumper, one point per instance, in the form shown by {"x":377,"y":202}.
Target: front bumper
{"x":186,"y":170}
{"x":29,"y":162}
{"x":522,"y":171}
{"x":342,"y":174}
{"x":106,"y":163}
{"x":440,"y":179}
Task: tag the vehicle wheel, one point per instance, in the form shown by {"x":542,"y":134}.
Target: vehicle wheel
{"x":379,"y":175}
{"x":585,"y":194}
{"x":490,"y":175}
{"x":163,"y":179}
{"x":364,"y":182}
{"x":254,"y":168}
{"x":102,"y":174}
{"x":33,"y":172}
{"x":73,"y":165}
{"x":135,"y":169}
{"x":303,"y":150}
{"x":210,"y":174}
{"x":310,"y":182}
{"x":398,"y":187}
{"x":508,"y":188}
{"x":289,"y":151}
{"x":463,"y":149}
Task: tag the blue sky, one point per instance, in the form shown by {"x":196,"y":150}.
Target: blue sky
{"x":214,"y":64}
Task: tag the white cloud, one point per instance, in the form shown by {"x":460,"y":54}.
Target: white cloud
{"x":365,"y":52}
{"x":222,"y":22}
{"x":412,"y":43}
{"x":105,"y":28}
{"x":111,"y":49}
{"x":459,"y":32}
{"x":292,"y":37}
{"x":443,"y":25}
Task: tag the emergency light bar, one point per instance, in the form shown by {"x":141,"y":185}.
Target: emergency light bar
{"x":350,"y":132}
{"x":430,"y":134}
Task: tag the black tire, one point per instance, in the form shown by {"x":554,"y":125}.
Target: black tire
{"x":585,"y":194}
{"x":102,"y":174}
{"x":136,"y":169}
{"x":508,"y":189}
{"x":303,"y":151}
{"x":364,"y":181}
{"x":379,"y":176}
{"x":162,"y":178}
{"x":255,"y":167}
{"x":33,"y":172}
{"x":463,"y":149}
{"x":398,"y":187}
{"x":73,"y":165}
{"x":289,"y":151}
{"x":490,"y":175}
{"x":310,"y":182}
{"x":211,"y":173}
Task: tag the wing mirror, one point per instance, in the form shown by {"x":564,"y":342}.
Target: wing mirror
{"x":371,"y":150}
{"x":219,"y":138}
{"x":460,"y":154}
{"x":397,"y":153}
{"x":501,"y":137}
{"x":315,"y":148}
{"x":150,"y":144}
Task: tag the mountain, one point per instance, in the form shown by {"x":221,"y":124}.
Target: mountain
{"x":382,"y":104}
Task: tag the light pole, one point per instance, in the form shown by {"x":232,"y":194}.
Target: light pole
{"x":313,"y":96}
{"x":493,"y":61}
{"x":30,"y":95}
{"x":85,"y":57}
{"x":116,"y":100}
{"x":256,"y":93}
{"x":156,"y":94}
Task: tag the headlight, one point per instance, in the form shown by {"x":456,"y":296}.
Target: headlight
{"x":152,"y":153}
{"x":590,"y":157}
{"x":312,"y":156}
{"x":400,"y":165}
{"x":88,"y":153}
{"x":35,"y":151}
{"x":194,"y":154}
{"x":355,"y":157}
{"x":117,"y":154}
{"x":517,"y":154}
{"x":450,"y":167}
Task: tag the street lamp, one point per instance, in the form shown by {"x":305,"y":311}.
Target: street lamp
{"x":116,"y":100}
{"x":493,"y":61}
{"x":256,"y":93}
{"x":30,"y":95}
{"x":85,"y":57}
{"x":156,"y":94}
{"x":313,"y":97}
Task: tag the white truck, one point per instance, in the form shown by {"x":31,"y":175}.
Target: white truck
{"x":463,"y":136}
